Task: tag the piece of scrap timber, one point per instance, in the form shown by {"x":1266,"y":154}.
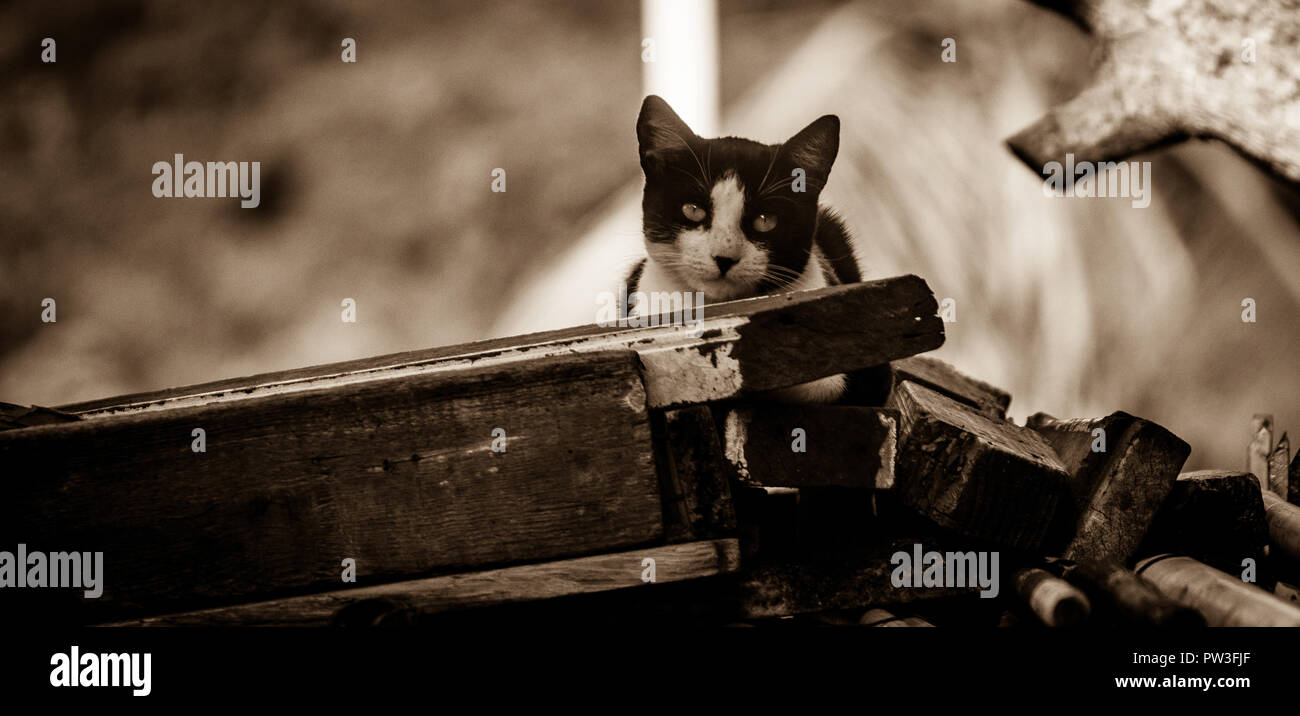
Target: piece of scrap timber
{"x":965,"y":471}
{"x":783,"y":445}
{"x":938,"y":375}
{"x":1132,"y":598}
{"x":412,"y":475}
{"x":883,"y":618}
{"x":1283,"y":525}
{"x":1260,"y":448}
{"x":19,"y":416}
{"x":693,"y":477}
{"x":644,"y":568}
{"x":1215,"y":516}
{"x":752,"y":345}
{"x":893,"y":572}
{"x":1173,"y":70}
{"x":1055,"y":602}
{"x":1224,"y":600}
{"x":1121,"y":470}
{"x":1278,"y":482}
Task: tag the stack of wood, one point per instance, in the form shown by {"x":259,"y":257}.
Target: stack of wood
{"x":598,"y":474}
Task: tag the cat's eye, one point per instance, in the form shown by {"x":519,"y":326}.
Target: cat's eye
{"x":764,"y":223}
{"x":694,"y":212}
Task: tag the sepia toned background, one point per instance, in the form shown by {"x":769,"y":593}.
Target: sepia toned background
{"x":376,"y":176}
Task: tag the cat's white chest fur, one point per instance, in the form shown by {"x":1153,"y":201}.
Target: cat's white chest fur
{"x":823,"y":390}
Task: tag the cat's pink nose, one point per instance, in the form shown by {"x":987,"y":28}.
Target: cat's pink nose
{"x":724,"y":264}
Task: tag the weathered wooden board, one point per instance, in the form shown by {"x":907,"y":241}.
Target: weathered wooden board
{"x":800,"y":587}
{"x":398,"y":474}
{"x":752,"y":345}
{"x":982,"y":477}
{"x":779,"y":445}
{"x":693,"y":476}
{"x":944,"y":378}
{"x":1214,"y":516}
{"x":1121,"y":470}
{"x":1224,"y":600}
{"x":509,"y":585}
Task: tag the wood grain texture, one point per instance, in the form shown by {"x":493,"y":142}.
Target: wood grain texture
{"x":398,"y":474}
{"x":842,"y":446}
{"x":1214,"y":516}
{"x":693,"y":476}
{"x":510,"y":585}
{"x":944,"y":378}
{"x":1224,"y":600}
{"x":752,"y":345}
{"x":982,"y":477}
{"x":1115,"y":491}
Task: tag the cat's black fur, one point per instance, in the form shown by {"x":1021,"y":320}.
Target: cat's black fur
{"x":682,"y":167}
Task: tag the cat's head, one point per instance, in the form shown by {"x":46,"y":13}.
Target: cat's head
{"x":731,"y":217}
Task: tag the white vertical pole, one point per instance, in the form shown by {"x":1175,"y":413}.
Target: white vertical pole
{"x":682,"y":65}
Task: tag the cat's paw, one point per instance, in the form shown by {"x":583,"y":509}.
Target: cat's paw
{"x":822,"y":390}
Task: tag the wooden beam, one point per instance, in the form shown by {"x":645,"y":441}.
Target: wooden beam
{"x":1224,"y":600}
{"x":752,"y":345}
{"x":982,"y":477}
{"x":944,"y":378}
{"x":1215,"y":516}
{"x":398,"y":474}
{"x":510,"y":585}
{"x":1121,"y":470}
{"x":779,"y":445}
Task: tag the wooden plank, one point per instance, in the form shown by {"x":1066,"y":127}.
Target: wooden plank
{"x":779,"y":445}
{"x":1214,"y":516}
{"x":1132,"y":599}
{"x":1283,"y":525}
{"x":1278,"y":482}
{"x":982,"y":477}
{"x":883,"y":618}
{"x":944,"y":378}
{"x":1224,"y":600}
{"x":399,"y":475}
{"x":20,"y":416}
{"x":510,"y":585}
{"x":1121,"y":470}
{"x":861,"y":580}
{"x":751,"y":345}
{"x":693,"y":477}
{"x":1260,"y":448}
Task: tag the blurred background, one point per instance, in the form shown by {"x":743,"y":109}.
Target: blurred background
{"x":376,"y":186}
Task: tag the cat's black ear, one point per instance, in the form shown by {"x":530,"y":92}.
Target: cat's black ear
{"x":814,"y":148}
{"x":658,"y":128}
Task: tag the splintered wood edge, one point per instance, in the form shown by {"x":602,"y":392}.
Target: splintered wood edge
{"x":683,"y":365}
{"x":582,"y":575}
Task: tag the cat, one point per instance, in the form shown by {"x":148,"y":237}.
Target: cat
{"x":733,"y":218}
